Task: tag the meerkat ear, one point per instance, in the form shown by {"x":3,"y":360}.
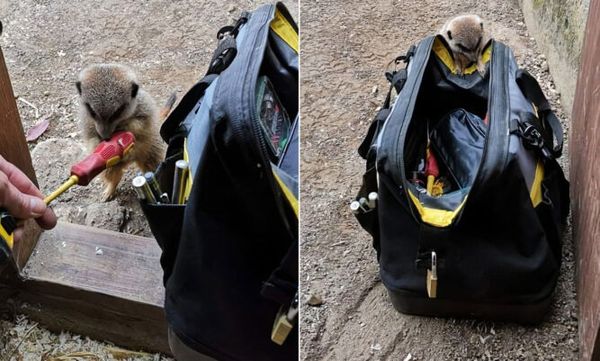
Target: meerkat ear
{"x":481,"y":25}
{"x":449,"y":35}
{"x":134,"y":89}
{"x":78,"y":85}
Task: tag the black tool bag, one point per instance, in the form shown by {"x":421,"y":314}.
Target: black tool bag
{"x":230,"y":254}
{"x":484,"y":239}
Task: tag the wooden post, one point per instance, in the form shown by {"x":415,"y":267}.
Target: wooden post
{"x":585,"y":187}
{"x":13,"y":147}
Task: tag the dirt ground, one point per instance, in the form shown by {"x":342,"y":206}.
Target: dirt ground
{"x":45,"y":44}
{"x":345,"y":48}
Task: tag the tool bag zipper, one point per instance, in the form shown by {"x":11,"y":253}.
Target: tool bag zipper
{"x":255,"y":139}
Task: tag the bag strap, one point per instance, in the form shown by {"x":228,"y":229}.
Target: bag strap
{"x":397,"y":79}
{"x":171,"y":126}
{"x":227,"y":47}
{"x":550,"y":127}
{"x":222,"y":57}
{"x":282,"y":284}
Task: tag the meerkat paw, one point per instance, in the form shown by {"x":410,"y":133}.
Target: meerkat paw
{"x":481,"y":68}
{"x":109,"y":193}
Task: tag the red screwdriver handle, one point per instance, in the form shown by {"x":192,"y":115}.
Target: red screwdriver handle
{"x":107,"y":154}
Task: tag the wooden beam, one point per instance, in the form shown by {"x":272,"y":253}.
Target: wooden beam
{"x":585,"y":183}
{"x":13,"y":147}
{"x":103,"y":284}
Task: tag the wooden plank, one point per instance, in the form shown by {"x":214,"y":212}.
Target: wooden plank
{"x":13,"y":147}
{"x":99,"y":283}
{"x":585,"y":187}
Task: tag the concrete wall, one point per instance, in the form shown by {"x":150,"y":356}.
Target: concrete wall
{"x":558,"y":27}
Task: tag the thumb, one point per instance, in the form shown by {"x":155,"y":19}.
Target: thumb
{"x":19,"y":205}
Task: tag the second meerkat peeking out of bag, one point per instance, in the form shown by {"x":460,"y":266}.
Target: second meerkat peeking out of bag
{"x":111,"y":100}
{"x":467,"y":37}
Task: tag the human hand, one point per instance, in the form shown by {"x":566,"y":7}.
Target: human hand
{"x":22,"y":198}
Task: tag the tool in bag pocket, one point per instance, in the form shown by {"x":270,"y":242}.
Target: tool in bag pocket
{"x":466,"y":168}
{"x":230,"y":242}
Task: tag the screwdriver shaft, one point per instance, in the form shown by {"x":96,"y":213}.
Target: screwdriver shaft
{"x":60,"y":190}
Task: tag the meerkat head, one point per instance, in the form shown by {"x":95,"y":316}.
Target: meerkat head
{"x":108,"y":93}
{"x":465,"y":35}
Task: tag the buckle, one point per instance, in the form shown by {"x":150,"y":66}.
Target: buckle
{"x":533,"y":138}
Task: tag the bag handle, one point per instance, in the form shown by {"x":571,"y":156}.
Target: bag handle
{"x":397,"y":79}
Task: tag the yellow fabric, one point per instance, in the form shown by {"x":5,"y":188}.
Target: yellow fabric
{"x":285,"y":30}
{"x":7,"y":237}
{"x":442,"y":52}
{"x":536,"y":188}
{"x":188,"y":184}
{"x":435,"y":217}
{"x":288,"y":194}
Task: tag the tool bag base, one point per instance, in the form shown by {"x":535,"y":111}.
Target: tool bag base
{"x":470,"y":198}
{"x":525,"y":314}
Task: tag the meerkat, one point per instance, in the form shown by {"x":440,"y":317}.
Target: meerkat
{"x":111,"y":100}
{"x":467,"y":38}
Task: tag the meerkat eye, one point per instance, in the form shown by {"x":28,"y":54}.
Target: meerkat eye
{"x":89,"y":108}
{"x":117,"y":113}
{"x":134,"y":89}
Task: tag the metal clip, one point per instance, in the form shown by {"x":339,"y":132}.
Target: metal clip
{"x":432,"y":277}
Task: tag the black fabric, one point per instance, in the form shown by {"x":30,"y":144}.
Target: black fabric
{"x":458,"y":141}
{"x":551,"y":127}
{"x":498,"y":236}
{"x":230,"y":255}
{"x":397,"y":79}
{"x":171,"y":125}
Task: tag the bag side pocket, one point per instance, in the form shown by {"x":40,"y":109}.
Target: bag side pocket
{"x":166,"y":220}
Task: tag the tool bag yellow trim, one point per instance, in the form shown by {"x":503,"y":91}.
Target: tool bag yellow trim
{"x":442,"y":52}
{"x":435,"y":217}
{"x":7,"y":237}
{"x":289,"y":196}
{"x":190,"y":181}
{"x":536,"y":188}
{"x":282,"y":27}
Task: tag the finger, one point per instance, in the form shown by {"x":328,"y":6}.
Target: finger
{"x":48,"y":219}
{"x":20,"y":205}
{"x":18,"y":235}
{"x":19,"y":179}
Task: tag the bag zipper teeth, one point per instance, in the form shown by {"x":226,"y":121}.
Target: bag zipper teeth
{"x":399,"y":153}
{"x":258,"y":134}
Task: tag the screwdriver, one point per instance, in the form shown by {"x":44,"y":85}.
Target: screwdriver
{"x":107,"y":154}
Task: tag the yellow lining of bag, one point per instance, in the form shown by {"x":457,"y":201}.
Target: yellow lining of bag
{"x":435,"y":217}
{"x":288,"y":194}
{"x":188,"y":184}
{"x":536,"y":187}
{"x":444,"y":55}
{"x":285,"y":30}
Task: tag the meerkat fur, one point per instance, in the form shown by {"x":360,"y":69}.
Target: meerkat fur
{"x":111,"y":100}
{"x":467,"y":37}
